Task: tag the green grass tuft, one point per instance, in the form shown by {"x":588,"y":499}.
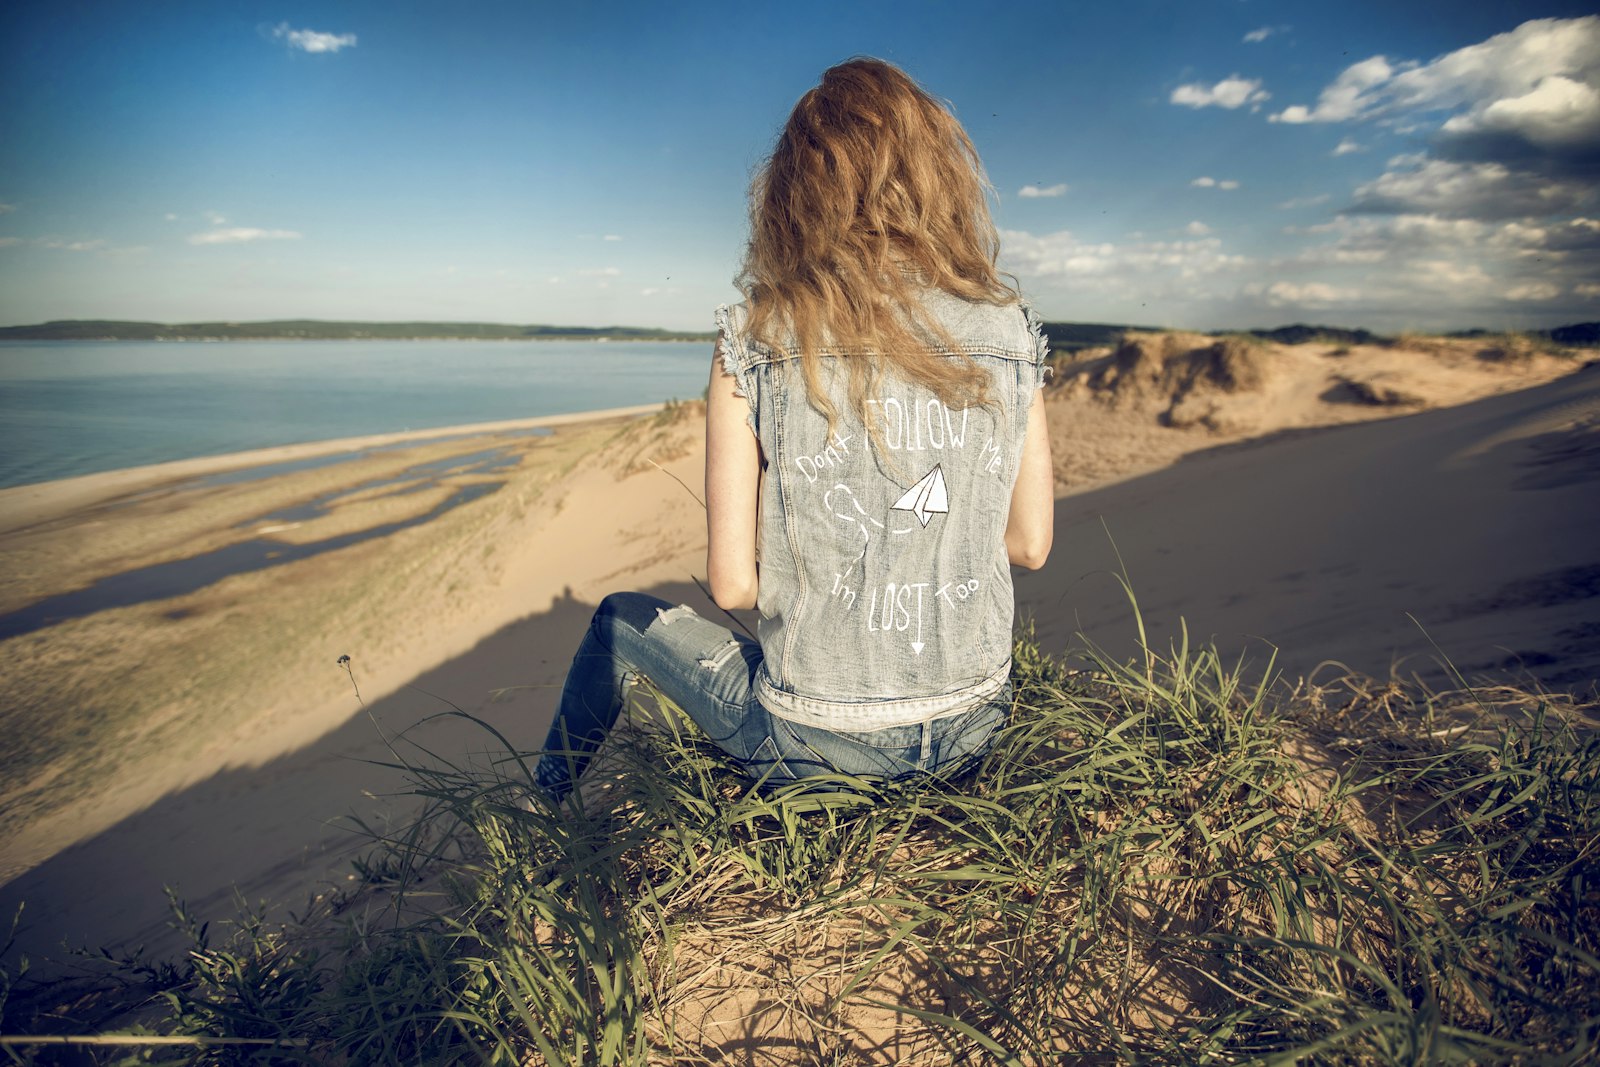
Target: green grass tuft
{"x":1158,"y":863}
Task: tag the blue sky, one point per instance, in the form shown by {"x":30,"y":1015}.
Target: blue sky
{"x":1209,"y":164}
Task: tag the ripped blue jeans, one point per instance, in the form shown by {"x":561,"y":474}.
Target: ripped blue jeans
{"x":709,"y":672}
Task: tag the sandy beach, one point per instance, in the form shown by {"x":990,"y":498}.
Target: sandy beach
{"x":177,"y":715}
{"x":28,"y":505}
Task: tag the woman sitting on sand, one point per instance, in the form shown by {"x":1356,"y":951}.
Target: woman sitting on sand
{"x":876,"y":455}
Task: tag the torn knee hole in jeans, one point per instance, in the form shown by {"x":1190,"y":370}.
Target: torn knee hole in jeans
{"x":665,"y":616}
{"x":722,"y":655}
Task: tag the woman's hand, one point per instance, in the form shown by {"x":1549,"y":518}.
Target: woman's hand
{"x":1031,"y":524}
{"x":733,"y":478}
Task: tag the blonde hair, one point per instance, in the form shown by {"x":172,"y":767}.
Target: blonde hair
{"x":873,"y":191}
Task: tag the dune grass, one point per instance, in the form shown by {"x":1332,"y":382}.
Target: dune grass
{"x":1159,"y":862}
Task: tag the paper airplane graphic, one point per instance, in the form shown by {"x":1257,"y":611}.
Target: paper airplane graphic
{"x":926,"y":498}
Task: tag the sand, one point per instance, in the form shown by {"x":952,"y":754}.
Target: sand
{"x":1456,"y":540}
{"x":1312,"y":500}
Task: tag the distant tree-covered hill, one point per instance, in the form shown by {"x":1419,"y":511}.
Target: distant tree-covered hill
{"x":1579,"y":334}
{"x":1065,"y":337}
{"x":316,"y":330}
{"x":1300,"y":334}
{"x":1071,"y":336}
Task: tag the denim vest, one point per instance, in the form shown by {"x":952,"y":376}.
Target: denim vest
{"x":885,"y":591}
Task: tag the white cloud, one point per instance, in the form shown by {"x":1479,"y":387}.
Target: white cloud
{"x":1384,"y":272}
{"x":1259,"y":35}
{"x":7,"y":242}
{"x":1348,"y":96}
{"x":1230,"y":93}
{"x":1208,"y":182}
{"x":1300,"y":294}
{"x":1185,"y":280}
{"x":1558,"y":239}
{"x":1029,"y":192}
{"x":1341,"y":257}
{"x":612,"y":237}
{"x":1197,"y":229}
{"x":98,"y":245}
{"x":1532,"y":93}
{"x":1411,"y":231}
{"x":1470,"y":265}
{"x":1104,"y":265}
{"x":241,"y":235}
{"x":1347,"y":146}
{"x":1533,"y":291}
{"x":313,"y":40}
{"x":1557,"y":114}
{"x":1305,"y":201}
{"x":170,"y":217}
{"x":600,"y":272}
{"x":6,"y":209}
{"x":1470,"y":190}
{"x":63,"y":245}
{"x":1453,"y":276}
{"x":212,"y":217}
{"x":1507,"y":64}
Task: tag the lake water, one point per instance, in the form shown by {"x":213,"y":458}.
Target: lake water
{"x":69,"y":408}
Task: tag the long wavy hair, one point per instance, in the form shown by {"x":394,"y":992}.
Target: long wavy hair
{"x":873,"y":192}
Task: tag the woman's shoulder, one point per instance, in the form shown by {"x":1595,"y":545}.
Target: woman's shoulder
{"x":733,"y":335}
{"x":731,"y":318}
{"x":1008,"y":328}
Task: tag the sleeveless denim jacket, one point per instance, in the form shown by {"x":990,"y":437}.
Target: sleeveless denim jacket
{"x":884,"y":590}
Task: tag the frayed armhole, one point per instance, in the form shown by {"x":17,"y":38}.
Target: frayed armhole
{"x":728,"y":345}
{"x":731,"y":344}
{"x":1041,"y":345}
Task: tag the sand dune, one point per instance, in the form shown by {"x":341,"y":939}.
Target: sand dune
{"x":1466,"y":532}
{"x":1461,"y":533}
{"x":241,"y":743}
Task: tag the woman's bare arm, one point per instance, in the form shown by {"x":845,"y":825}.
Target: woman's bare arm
{"x":733,"y":476}
{"x":1031,"y":524}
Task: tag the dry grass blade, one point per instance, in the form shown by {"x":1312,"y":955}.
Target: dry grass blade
{"x":1157,"y":862}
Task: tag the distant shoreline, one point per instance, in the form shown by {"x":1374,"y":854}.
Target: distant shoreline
{"x":333,"y":330}
{"x":693,"y":339}
{"x":1063,"y":336}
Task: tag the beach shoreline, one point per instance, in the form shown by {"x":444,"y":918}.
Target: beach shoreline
{"x":383,"y":498}
{"x":24,"y":505}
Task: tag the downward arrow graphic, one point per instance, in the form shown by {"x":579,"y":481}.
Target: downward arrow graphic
{"x":916,"y":646}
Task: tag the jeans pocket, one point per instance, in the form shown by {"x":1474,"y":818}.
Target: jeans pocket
{"x":887,"y":753}
{"x":890,"y":737}
{"x":967,"y":738}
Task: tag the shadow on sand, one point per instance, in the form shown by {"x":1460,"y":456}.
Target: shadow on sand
{"x":282,"y":832}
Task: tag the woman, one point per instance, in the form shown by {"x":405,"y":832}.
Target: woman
{"x":876,"y":455}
